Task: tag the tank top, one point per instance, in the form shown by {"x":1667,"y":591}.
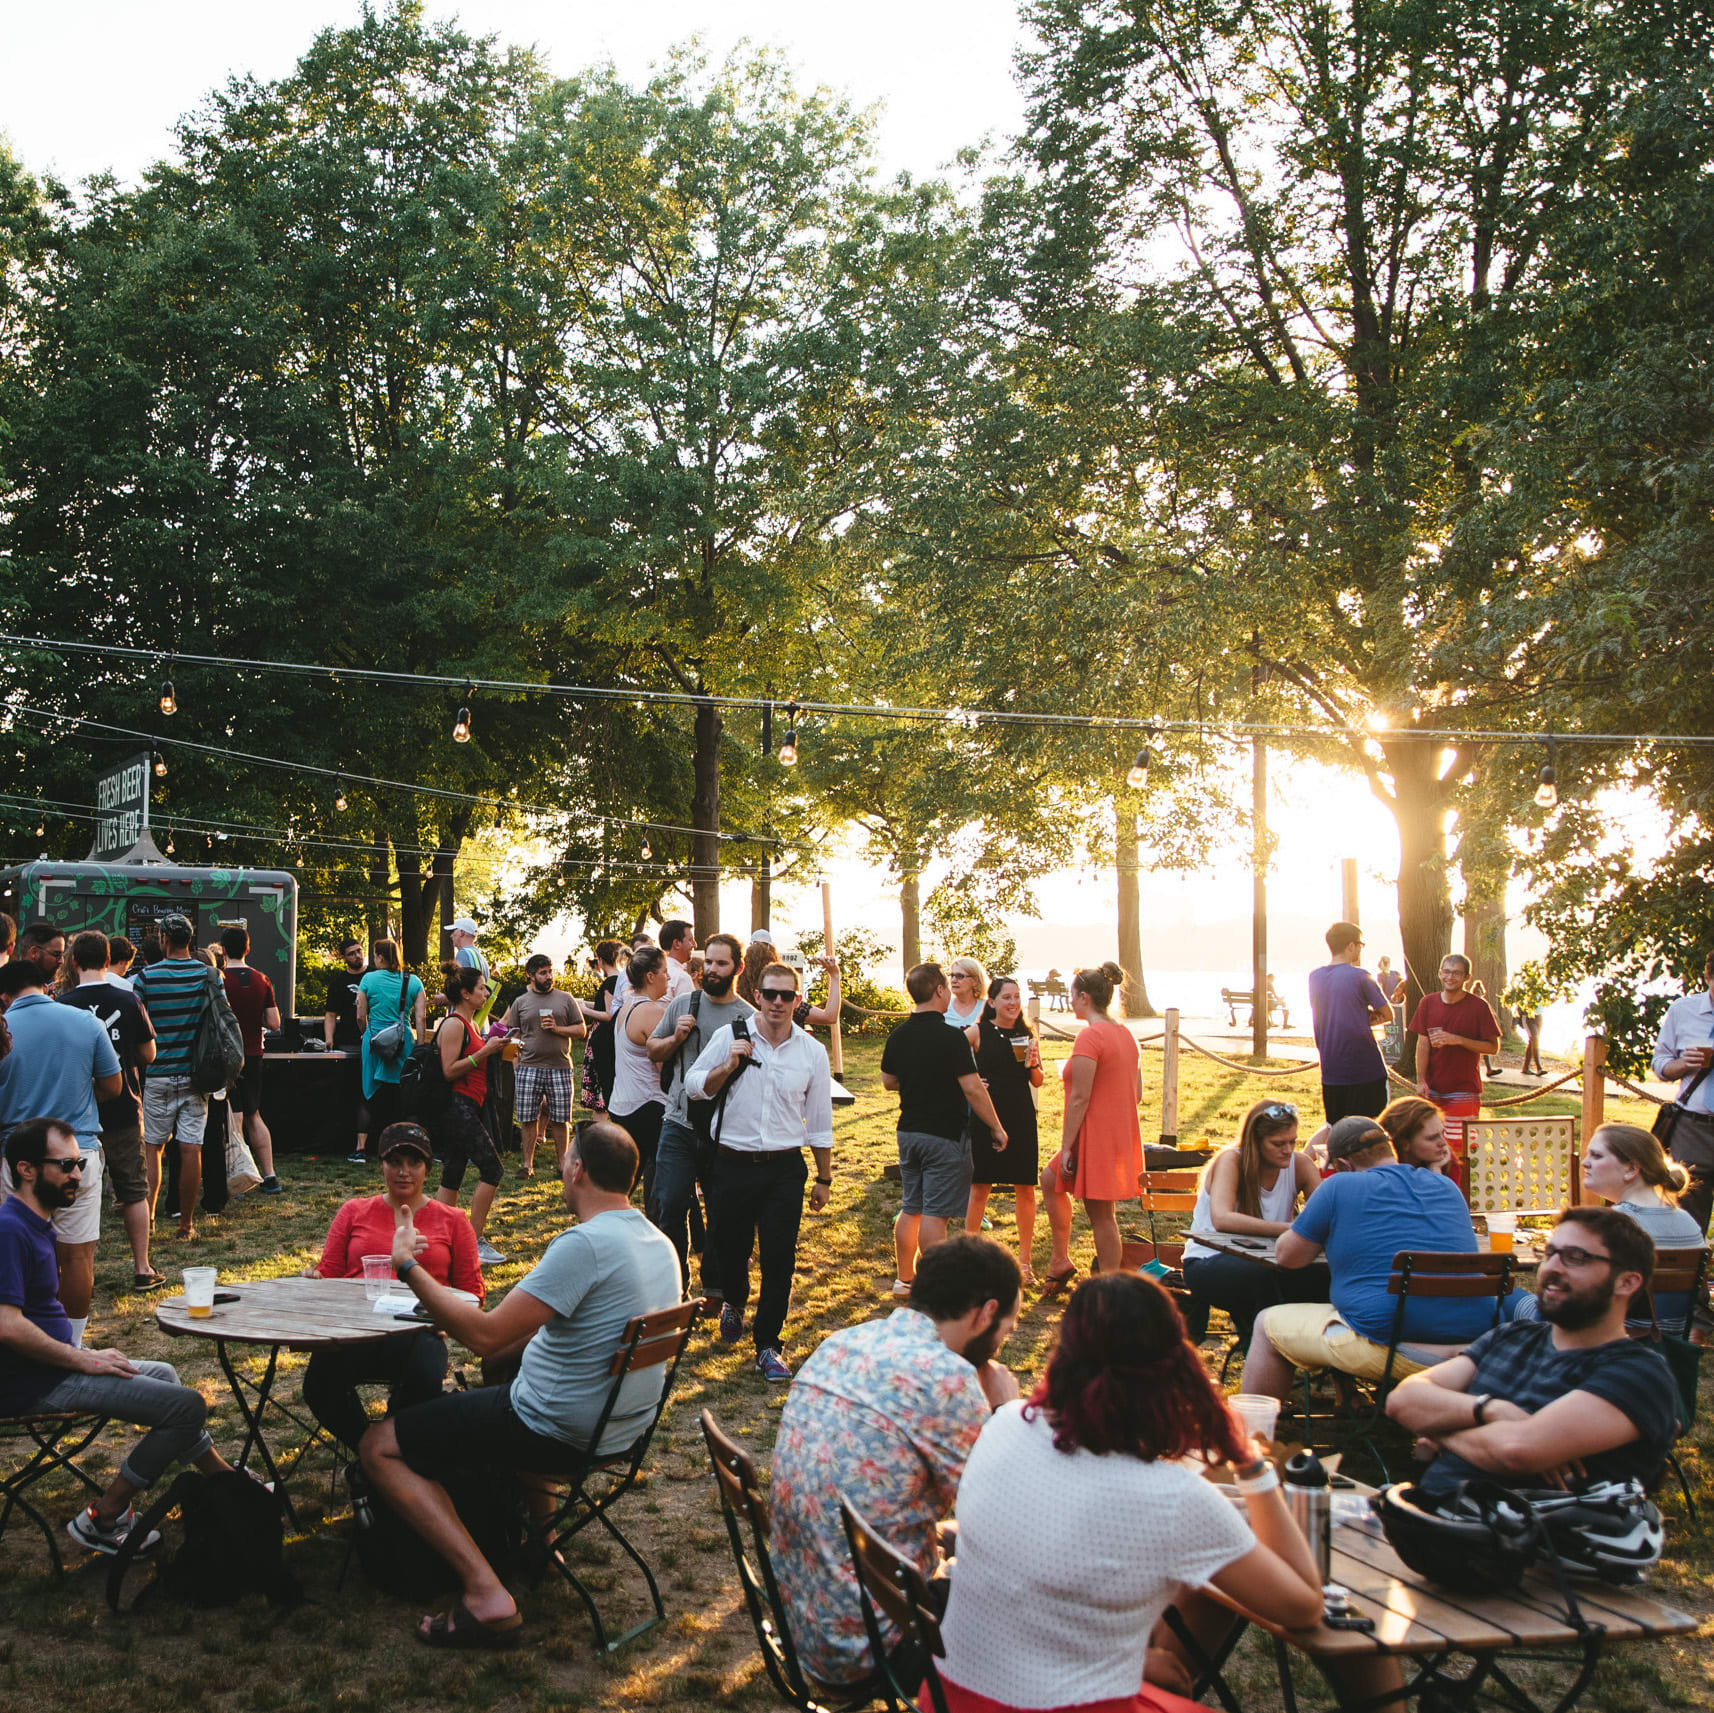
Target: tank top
{"x":473,"y":1085}
{"x":636,"y":1078}
{"x":1274,"y":1204}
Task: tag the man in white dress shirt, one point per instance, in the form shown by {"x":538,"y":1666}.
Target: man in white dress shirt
{"x":780,"y":1101}
{"x":1684,"y":1051}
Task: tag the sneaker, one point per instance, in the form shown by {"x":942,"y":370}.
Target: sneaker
{"x":771,"y":1365}
{"x":357,"y":1159}
{"x":272,"y":1187}
{"x":901,"y":1287}
{"x":487,"y":1254}
{"x":731,"y":1324}
{"x":89,"y":1531}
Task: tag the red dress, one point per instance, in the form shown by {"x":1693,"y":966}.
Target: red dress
{"x":1110,"y":1144}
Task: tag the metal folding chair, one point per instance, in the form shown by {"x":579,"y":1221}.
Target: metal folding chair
{"x":888,"y":1580}
{"x":58,"y":1439}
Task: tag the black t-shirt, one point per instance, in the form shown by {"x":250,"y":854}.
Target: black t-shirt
{"x":342,"y":1002}
{"x":1518,"y":1362}
{"x":120,"y":1012}
{"x":928,"y":1056}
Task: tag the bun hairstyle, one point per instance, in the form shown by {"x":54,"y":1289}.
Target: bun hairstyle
{"x":1100,"y":984}
{"x":458,"y":980}
{"x":1641,"y":1148}
{"x":644,"y":962}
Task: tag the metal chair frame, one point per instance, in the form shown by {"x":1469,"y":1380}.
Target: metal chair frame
{"x":886,"y":1578}
{"x":49,"y":1433}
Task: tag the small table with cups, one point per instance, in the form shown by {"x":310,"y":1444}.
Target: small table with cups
{"x":293,"y":1313}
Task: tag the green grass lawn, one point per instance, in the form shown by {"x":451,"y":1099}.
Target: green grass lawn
{"x":353,"y":1649}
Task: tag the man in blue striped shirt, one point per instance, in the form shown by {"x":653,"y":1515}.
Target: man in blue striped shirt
{"x":173,"y":991}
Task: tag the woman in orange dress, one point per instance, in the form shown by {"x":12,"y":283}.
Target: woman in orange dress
{"x":1101,"y":1149}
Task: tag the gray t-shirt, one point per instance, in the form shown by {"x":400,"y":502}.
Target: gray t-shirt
{"x":714,"y":1014}
{"x":596,"y":1278}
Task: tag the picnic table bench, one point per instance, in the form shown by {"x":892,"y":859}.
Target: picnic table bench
{"x":1233,"y":997}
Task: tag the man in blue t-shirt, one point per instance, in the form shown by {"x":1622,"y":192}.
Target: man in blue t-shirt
{"x":1568,"y":1398}
{"x":1360,"y":1218}
{"x":1346,"y":1003}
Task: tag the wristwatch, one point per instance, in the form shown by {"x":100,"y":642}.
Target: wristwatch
{"x":404,"y":1268}
{"x":1479,"y":1407}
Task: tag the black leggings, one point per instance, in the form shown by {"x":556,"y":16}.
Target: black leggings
{"x":644,"y":1128}
{"x":464,"y":1139}
{"x":412,"y":1369}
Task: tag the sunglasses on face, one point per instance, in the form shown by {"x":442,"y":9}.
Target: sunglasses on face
{"x":71,"y":1163}
{"x":1572,"y":1255}
{"x":777,"y":995}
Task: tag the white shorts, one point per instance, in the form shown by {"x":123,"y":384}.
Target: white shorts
{"x":81,"y":1222}
{"x":173,"y":1109}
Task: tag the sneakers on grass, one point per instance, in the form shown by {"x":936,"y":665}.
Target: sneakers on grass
{"x":89,"y":1531}
{"x":771,"y":1365}
{"x":271,"y":1186}
{"x":731,"y":1323}
{"x":487,"y":1254}
{"x":357,"y":1158}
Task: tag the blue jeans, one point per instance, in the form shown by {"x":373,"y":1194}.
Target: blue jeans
{"x":151,"y":1398}
{"x":681,"y":1163}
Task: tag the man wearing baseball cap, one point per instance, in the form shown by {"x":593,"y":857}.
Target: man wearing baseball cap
{"x":1360,"y":1218}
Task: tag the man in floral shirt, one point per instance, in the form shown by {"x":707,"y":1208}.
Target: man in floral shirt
{"x":886,"y":1413}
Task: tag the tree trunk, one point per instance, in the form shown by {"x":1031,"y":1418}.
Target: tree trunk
{"x":1425,"y":901}
{"x":761,"y":894}
{"x":416,"y":906}
{"x":1135,"y":992}
{"x":705,"y":818}
{"x":379,"y":926}
{"x":442,"y":889}
{"x":910,"y":920}
{"x":1485,"y":939}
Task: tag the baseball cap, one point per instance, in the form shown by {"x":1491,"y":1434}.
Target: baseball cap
{"x":406,"y":1139}
{"x":464,"y":925}
{"x":175,"y":924}
{"x":1352,"y":1135}
{"x":761,"y":937}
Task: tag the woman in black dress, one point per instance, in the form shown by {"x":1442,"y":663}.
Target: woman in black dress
{"x":598,"y":1046}
{"x":1008,"y":1056}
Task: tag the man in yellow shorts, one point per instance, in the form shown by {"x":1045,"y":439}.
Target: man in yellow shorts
{"x":1360,"y":1218}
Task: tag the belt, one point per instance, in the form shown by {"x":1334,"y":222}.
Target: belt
{"x":746,"y":1155}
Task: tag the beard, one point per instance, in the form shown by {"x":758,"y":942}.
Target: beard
{"x":718,"y":985}
{"x":54,"y":1196}
{"x":1576,"y":1311}
{"x":985,"y":1346}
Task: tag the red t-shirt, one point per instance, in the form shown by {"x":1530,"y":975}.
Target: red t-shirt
{"x":1455,"y":1070}
{"x":365,"y":1227}
{"x":252,"y":997}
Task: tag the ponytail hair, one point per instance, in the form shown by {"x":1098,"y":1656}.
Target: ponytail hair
{"x":458,"y":980}
{"x":1641,"y":1148}
{"x":1099,"y":984}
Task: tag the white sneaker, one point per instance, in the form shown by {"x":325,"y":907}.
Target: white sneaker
{"x":89,"y":1531}
{"x":487,"y":1254}
{"x":901,"y":1288}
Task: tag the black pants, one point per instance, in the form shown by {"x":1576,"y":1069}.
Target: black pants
{"x":464,"y":1139}
{"x":758,"y":1201}
{"x":1691,"y":1144}
{"x":1244,"y":1288}
{"x":644,"y":1128}
{"x":1354,"y":1100}
{"x":411,"y":1368}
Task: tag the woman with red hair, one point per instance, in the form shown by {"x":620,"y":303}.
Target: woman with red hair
{"x":1078,"y":1525}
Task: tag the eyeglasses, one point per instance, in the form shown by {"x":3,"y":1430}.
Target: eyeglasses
{"x":69,"y":1163}
{"x":1280,"y":1109}
{"x":1572,"y":1255}
{"x":776,"y":995}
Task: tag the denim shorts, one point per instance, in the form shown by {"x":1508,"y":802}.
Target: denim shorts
{"x":935,"y":1173}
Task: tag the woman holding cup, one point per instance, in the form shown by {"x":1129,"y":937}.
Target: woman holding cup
{"x":412,"y":1368}
{"x":1008,"y":1057}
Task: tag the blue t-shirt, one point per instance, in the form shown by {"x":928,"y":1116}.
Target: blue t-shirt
{"x":1341,"y":997}
{"x":174,"y":990}
{"x":57,"y":1053}
{"x":29,"y":1280}
{"x":1363,"y":1219}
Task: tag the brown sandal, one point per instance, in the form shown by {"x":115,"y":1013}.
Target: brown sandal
{"x":461,"y":1628}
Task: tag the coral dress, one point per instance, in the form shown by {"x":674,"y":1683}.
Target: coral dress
{"x":1110,"y":1144}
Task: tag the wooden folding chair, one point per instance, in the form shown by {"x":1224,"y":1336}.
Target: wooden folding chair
{"x":648,"y":1341}
{"x":748,"y":1527}
{"x":1418,"y":1276}
{"x":1678,"y":1272}
{"x":888,"y":1580}
{"x":58,"y":1439}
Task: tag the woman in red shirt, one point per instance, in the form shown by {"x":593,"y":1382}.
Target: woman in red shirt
{"x":412,"y":1368}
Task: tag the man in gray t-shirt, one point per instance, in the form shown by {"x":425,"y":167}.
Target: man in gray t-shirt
{"x":566,"y":1318}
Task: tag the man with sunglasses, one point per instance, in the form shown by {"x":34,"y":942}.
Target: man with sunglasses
{"x":1560,"y":1400}
{"x":43,"y":1369}
{"x":780,"y":1103}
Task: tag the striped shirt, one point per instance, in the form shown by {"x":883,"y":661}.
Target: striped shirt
{"x":173,"y":991}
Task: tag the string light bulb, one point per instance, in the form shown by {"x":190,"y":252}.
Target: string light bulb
{"x":788,"y":750}
{"x":169,"y":698}
{"x":169,"y":841}
{"x":1137,"y":776}
{"x":338,"y":792}
{"x":1547,"y":782}
{"x":461,"y":726}
{"x":160,"y":765}
{"x":647,"y":852}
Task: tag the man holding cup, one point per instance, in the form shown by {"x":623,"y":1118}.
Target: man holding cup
{"x":43,"y":1371}
{"x":1684,"y":1051}
{"x":546,"y":1021}
{"x":1454,"y":1031}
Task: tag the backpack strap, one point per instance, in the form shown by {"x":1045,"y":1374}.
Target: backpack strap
{"x":156,"y":1514}
{"x":740,"y":1032}
{"x":675,"y":1065}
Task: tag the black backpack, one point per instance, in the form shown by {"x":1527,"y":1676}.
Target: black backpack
{"x":234,"y":1532}
{"x":399,"y":1562}
{"x":423,"y":1093}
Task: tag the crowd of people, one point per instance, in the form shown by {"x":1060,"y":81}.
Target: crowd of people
{"x":1075,"y":1514}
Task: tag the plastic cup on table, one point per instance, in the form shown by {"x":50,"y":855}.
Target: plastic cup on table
{"x":1257,"y":1412}
{"x":377,"y":1276}
{"x":199,"y":1291}
{"x":1502,"y":1227}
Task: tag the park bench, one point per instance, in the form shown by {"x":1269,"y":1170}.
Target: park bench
{"x":1054,"y":991}
{"x":1233,"y":997}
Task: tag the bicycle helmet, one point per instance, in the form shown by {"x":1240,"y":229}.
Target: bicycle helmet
{"x":1472,"y":1541}
{"x":1611,"y":1531}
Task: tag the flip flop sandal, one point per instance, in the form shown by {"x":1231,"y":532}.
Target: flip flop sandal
{"x":460,"y":1628}
{"x":1052,"y":1282}
{"x":150,"y":1281}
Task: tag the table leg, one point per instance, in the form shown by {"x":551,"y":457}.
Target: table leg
{"x":254,"y":1440}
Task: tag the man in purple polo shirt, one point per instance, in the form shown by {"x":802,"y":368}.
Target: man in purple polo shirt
{"x":1347,"y":1003}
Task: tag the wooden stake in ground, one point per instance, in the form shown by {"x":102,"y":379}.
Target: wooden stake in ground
{"x":836,"y":1052}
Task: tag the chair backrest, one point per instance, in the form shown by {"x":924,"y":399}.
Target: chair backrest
{"x":1166,"y":1192}
{"x":748,"y":1527}
{"x":888,"y":1580}
{"x":1521,"y":1165}
{"x":1677,"y":1272}
{"x":1429,"y":1273}
{"x":648,"y":1341}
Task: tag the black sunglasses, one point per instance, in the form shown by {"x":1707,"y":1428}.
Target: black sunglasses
{"x":73,"y":1163}
{"x":780,"y":995}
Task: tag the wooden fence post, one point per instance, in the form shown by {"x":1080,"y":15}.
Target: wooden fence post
{"x":835,"y":1047}
{"x":1033,"y":1011}
{"x":1594,"y":1084}
{"x":1169,"y":1081}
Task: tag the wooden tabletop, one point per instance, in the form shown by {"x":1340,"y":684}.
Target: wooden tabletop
{"x":298,"y":1313}
{"x":1261,"y":1249}
{"x":1415,"y":1616}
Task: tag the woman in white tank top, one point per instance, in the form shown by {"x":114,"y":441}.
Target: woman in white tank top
{"x":638,"y":1104}
{"x":1251,"y":1189}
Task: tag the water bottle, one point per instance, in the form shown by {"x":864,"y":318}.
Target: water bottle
{"x":1311,"y":1505}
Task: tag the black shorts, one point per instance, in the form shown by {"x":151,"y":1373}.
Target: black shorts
{"x":464,"y":1139}
{"x":246,"y":1095}
{"x":461,"y":1431}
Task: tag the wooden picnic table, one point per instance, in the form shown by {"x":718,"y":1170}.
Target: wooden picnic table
{"x":282,"y":1314}
{"x":1419,"y":1620}
{"x":1263,"y":1250}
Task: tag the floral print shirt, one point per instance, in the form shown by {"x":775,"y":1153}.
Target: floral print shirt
{"x":884,"y":1414}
